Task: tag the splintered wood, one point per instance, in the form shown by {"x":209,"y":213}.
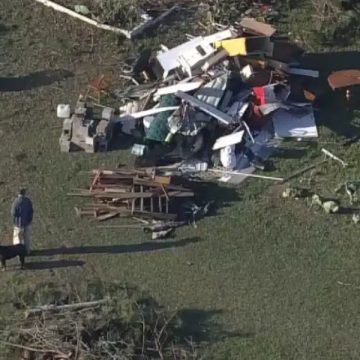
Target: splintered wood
{"x":132,"y":193}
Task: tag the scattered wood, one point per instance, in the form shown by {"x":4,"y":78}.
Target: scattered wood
{"x":36,"y":350}
{"x":95,"y":329}
{"x":158,"y":226}
{"x":124,"y":193}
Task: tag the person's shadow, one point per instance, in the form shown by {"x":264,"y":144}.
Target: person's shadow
{"x":34,"y":80}
{"x":46,"y":265}
{"x":115,"y":249}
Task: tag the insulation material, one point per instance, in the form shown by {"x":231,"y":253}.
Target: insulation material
{"x":228,"y":157}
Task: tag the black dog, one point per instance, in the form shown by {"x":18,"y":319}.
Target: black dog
{"x":9,"y":252}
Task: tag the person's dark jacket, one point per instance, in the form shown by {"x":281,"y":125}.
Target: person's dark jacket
{"x":22,"y":211}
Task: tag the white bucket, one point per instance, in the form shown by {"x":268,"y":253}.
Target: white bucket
{"x":63,"y":111}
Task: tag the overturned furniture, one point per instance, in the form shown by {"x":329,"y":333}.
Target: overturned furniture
{"x":131,"y":193}
{"x":89,"y":128}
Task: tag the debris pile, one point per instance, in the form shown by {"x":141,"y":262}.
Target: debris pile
{"x":225,"y":99}
{"x":111,"y":323}
{"x":134,"y":193}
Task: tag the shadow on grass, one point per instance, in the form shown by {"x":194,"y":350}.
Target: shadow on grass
{"x":34,"y":80}
{"x":289,"y":153}
{"x":115,"y":249}
{"x":46,"y":265}
{"x":3,"y":28}
{"x":43,"y":265}
{"x":200,"y":326}
{"x":348,"y":211}
{"x":121,"y":141}
{"x":220,"y":196}
{"x":335,"y":113}
{"x":328,"y":62}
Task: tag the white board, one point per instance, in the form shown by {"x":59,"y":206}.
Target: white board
{"x":288,"y":124}
{"x":228,"y":140}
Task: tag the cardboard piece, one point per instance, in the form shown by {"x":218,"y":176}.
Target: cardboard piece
{"x":250,"y":25}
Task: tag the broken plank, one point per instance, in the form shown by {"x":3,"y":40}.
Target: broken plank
{"x":141,"y":199}
{"x":256,"y":27}
{"x":246,"y":174}
{"x":160,"y":204}
{"x":108,"y":216}
{"x":179,"y":194}
{"x":213,"y":60}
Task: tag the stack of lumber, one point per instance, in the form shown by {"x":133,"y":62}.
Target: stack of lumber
{"x":130,"y":193}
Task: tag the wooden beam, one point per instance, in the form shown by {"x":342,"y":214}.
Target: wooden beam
{"x":83,"y":18}
{"x":225,"y":172}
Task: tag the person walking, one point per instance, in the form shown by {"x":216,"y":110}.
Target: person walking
{"x":22,"y":212}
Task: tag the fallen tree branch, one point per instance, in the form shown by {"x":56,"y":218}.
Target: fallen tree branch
{"x":29,"y":348}
{"x":139,"y":29}
{"x":74,"y":14}
{"x":82,"y":305}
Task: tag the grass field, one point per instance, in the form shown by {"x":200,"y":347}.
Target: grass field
{"x":263,"y":278}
